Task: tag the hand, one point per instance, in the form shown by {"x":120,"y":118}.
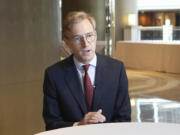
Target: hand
{"x":92,"y":118}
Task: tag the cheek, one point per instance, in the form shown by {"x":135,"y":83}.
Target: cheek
{"x":75,"y":49}
{"x":94,"y":46}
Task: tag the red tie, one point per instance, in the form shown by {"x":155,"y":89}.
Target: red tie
{"x":88,"y":88}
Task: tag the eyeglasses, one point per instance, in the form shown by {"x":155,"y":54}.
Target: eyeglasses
{"x":90,"y":37}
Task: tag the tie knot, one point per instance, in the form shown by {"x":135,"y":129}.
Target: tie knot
{"x":86,"y":67}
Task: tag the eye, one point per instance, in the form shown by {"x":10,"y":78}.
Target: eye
{"x":77,"y":38}
{"x":89,"y":35}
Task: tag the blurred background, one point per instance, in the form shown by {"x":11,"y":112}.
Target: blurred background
{"x":30,"y":41}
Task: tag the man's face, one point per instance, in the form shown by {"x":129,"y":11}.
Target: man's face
{"x":82,"y":41}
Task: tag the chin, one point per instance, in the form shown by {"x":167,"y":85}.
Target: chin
{"x":86,"y":59}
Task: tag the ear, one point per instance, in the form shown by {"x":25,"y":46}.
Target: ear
{"x":66,"y":41}
{"x":68,"y":44}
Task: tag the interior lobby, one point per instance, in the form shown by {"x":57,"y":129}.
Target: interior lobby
{"x":144,"y":34}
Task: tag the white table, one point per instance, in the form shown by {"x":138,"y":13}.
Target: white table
{"x":119,"y":129}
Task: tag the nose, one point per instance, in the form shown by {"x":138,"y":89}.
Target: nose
{"x":84,"y":42}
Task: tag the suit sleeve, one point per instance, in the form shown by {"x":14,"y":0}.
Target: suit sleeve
{"x":122,"y":107}
{"x":51,"y":110}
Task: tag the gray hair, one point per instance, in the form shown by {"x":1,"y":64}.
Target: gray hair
{"x":75,"y":17}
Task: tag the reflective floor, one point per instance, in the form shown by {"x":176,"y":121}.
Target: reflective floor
{"x":155,"y":110}
{"x":154,"y":84}
{"x":155,"y":96}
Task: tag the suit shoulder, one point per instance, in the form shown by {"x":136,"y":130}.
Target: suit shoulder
{"x":110,"y":61}
{"x":60,"y":64}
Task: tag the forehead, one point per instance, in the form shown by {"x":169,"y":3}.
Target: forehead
{"x":82,"y":27}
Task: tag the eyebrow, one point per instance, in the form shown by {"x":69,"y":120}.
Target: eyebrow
{"x":83,"y":34}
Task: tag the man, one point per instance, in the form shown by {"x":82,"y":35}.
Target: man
{"x":74,"y":95}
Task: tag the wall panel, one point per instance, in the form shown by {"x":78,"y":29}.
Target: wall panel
{"x":158,"y":4}
{"x":29,"y":42}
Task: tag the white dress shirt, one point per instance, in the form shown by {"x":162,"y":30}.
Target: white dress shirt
{"x":81,"y":73}
{"x":91,"y":70}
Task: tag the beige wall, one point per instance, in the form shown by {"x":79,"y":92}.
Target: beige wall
{"x":123,"y":8}
{"x":29,"y":42}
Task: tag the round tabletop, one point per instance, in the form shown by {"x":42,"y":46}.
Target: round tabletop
{"x":118,"y":129}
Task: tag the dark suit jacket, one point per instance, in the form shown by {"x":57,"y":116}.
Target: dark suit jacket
{"x":64,"y":101}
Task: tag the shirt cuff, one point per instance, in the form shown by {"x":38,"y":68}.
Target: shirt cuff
{"x":75,"y":124}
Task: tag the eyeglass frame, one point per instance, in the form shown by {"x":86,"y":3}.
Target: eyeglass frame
{"x":83,"y":37}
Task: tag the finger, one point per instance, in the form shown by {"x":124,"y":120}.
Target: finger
{"x":99,"y":117}
{"x":95,"y":116}
{"x":99,"y":111}
{"x":102,"y":119}
{"x":92,"y":121}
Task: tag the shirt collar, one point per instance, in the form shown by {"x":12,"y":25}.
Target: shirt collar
{"x":79,"y":65}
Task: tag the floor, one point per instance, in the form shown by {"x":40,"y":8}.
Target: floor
{"x":155,"y":96}
{"x":154,"y":84}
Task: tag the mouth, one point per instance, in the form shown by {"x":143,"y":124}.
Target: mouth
{"x":86,"y":51}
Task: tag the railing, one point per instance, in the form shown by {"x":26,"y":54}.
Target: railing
{"x":176,"y":33}
{"x":151,"y":33}
{"x":166,"y":33}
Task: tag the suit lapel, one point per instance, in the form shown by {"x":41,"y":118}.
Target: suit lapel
{"x":75,"y":86}
{"x":99,"y":82}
